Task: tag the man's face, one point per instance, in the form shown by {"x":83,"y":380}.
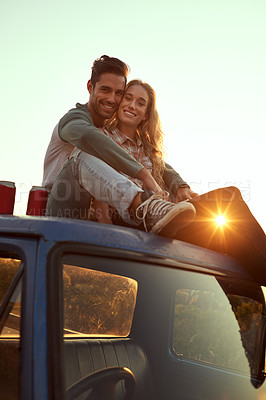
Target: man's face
{"x":105,"y":97}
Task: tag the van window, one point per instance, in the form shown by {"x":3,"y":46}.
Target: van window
{"x":8,"y":269}
{"x":10,"y":323}
{"x":216,"y":323}
{"x":97,"y":303}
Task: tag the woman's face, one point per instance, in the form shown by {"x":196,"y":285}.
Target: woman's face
{"x":133,"y":107}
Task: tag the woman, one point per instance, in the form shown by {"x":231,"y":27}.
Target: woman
{"x":136,"y":127}
{"x":137,"y":118}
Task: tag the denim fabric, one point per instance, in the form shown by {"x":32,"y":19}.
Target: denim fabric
{"x":67,"y":198}
{"x":105,"y":184}
{"x":86,"y":173}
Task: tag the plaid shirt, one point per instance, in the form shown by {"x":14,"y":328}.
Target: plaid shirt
{"x":135,"y":149}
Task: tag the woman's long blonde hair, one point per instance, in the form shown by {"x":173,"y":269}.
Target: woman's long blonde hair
{"x":149,"y":131}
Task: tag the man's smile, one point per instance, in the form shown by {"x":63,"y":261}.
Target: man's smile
{"x":109,"y":107}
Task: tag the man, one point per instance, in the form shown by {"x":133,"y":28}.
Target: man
{"x":79,"y":128}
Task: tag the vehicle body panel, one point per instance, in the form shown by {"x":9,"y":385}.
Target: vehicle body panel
{"x":42,"y":243}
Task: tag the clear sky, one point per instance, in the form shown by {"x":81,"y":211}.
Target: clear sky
{"x":206,"y":60}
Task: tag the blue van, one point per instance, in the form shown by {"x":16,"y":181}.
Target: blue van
{"x":94,"y":311}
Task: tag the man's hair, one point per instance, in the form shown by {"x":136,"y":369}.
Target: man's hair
{"x":106,"y":64}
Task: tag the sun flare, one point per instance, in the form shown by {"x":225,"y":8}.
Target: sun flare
{"x":220,"y":220}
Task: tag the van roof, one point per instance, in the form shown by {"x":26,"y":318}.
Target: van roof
{"x":149,"y":246}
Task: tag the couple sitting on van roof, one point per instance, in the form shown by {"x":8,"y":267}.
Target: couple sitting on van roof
{"x":114,"y":146}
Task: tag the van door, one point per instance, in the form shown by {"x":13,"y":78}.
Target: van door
{"x":17,"y":271}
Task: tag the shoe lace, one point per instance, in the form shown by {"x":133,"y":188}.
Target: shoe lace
{"x":156,"y":208}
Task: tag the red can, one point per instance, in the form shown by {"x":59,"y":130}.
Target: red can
{"x":7,"y":197}
{"x":37,"y":201}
